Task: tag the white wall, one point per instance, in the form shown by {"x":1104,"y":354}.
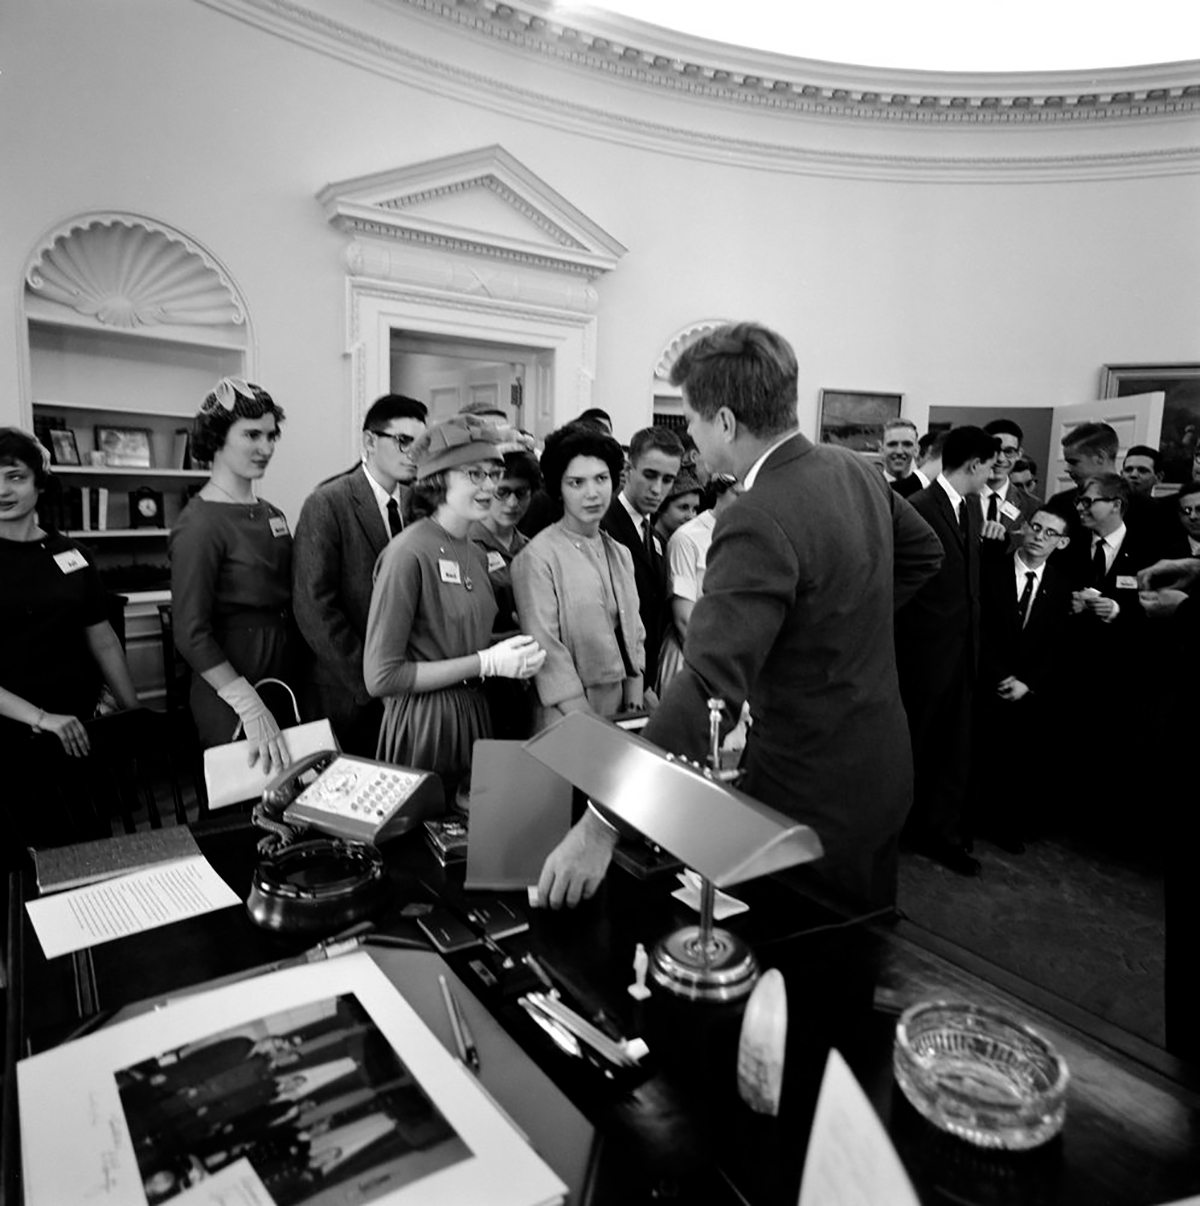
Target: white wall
{"x":980,"y":294}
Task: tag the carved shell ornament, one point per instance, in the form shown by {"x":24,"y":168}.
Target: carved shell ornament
{"x":131,"y":276}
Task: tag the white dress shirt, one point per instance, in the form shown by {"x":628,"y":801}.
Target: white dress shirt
{"x":381,"y":500}
{"x":1021,"y":570}
{"x":956,"y":500}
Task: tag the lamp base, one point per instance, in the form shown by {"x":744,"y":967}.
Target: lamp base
{"x":722,"y":969}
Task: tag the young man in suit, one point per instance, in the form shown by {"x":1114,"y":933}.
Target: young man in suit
{"x":799,"y":587}
{"x":1025,"y":605}
{"x":1187,"y":509}
{"x":1024,"y":474}
{"x":655,"y":455}
{"x":937,"y":652}
{"x":1002,"y":501}
{"x":899,"y":457}
{"x":344,"y":525}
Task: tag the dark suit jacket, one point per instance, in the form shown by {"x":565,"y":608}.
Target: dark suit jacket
{"x":1025,"y":503}
{"x":651,"y":577}
{"x":1033,"y":652}
{"x":796,"y":616}
{"x":906,"y":487}
{"x":338,"y":539}
{"x":939,"y":627}
{"x":1139,"y":549}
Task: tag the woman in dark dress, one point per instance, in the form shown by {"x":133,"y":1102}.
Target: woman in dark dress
{"x":429,"y":631}
{"x":231,"y":574}
{"x":56,"y":645}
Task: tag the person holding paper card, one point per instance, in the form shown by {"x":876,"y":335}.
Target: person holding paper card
{"x":575,"y":586}
{"x":429,"y":629}
{"x":56,"y":644}
{"x":231,"y":574}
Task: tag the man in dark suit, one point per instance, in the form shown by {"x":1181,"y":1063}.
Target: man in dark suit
{"x":344,"y":525}
{"x":1142,"y":469}
{"x":899,"y":456}
{"x":937,"y":652}
{"x":655,"y":454}
{"x":799,"y":589}
{"x":1002,"y":501}
{"x":1025,"y":604}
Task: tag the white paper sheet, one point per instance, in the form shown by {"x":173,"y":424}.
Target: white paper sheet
{"x":145,"y":900}
{"x":724,"y":905}
{"x":851,"y":1160}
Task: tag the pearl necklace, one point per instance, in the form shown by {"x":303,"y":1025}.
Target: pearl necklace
{"x":464,"y":577}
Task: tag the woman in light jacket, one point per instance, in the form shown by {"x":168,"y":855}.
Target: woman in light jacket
{"x":575,"y":589}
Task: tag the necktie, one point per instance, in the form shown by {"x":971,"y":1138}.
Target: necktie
{"x":964,"y":526}
{"x":1026,"y":599}
{"x":993,"y":506}
{"x":395,"y":523}
{"x":648,"y":538}
{"x":1099,"y":563}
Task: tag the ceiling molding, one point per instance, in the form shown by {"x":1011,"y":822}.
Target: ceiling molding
{"x":1162,"y":97}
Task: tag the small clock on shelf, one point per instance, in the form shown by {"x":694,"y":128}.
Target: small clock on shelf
{"x":146,"y":508}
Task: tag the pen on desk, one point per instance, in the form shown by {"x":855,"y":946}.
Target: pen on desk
{"x":467,"y":1051}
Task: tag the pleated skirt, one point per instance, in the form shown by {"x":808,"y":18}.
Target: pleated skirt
{"x":435,"y":731}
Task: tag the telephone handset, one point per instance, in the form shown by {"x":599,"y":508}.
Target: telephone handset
{"x":310,"y":884}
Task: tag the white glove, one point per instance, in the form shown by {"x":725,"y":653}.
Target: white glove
{"x":518,"y":657}
{"x":266,"y":742}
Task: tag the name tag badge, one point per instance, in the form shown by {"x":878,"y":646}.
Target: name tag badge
{"x":495,"y":561}
{"x":449,"y":571}
{"x":1009,"y":511}
{"x":1126,"y":582}
{"x":278,"y":526}
{"x":70,"y":561}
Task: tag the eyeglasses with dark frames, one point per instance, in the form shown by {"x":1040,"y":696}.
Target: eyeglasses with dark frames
{"x":1038,"y":530}
{"x":403,"y":442}
{"x":478,"y":476}
{"x":1086,"y":501}
{"x":520,"y":493}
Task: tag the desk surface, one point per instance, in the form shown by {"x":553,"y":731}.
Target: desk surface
{"x":1132,"y":1128}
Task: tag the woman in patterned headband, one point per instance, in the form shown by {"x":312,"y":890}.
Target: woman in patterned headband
{"x":231,"y":573}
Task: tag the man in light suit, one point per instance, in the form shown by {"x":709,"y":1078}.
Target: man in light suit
{"x":655,"y":454}
{"x":344,"y":525}
{"x":937,"y":651}
{"x":799,"y":588}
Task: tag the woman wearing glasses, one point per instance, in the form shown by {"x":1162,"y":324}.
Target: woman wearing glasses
{"x":575,"y":587}
{"x":429,"y":631}
{"x":231,"y":573}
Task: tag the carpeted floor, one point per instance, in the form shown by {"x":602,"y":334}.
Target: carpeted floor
{"x":1084,"y":924}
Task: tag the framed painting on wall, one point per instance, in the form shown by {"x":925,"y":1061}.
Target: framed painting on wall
{"x":1179,"y":442}
{"x":856,"y":419}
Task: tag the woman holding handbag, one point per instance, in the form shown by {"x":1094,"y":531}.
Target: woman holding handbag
{"x":575,"y":588}
{"x":231,"y":574}
{"x":429,"y":632}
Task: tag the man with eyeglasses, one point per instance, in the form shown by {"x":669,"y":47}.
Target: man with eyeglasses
{"x":1004,"y":502}
{"x":346,"y":522}
{"x":1025,"y":605}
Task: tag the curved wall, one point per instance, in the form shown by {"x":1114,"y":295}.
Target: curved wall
{"x":994,"y":258}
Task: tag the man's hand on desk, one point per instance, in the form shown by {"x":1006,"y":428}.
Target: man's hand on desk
{"x":575,"y":868}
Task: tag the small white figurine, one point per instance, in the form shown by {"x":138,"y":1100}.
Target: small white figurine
{"x":641,"y":964}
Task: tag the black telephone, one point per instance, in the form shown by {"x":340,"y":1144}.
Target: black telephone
{"x":317,"y":885}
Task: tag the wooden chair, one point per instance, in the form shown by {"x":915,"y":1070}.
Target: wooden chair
{"x":130,"y":777}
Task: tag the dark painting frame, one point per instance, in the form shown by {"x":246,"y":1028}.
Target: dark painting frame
{"x":856,"y":419}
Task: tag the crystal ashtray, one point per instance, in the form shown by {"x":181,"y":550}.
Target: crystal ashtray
{"x":976,"y":1073}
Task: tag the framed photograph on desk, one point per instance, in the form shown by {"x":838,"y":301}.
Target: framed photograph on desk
{"x":124,"y":447}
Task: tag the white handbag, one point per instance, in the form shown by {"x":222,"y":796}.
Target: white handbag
{"x":230,"y":780}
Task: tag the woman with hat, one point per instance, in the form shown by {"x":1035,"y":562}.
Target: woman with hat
{"x":575,"y":587}
{"x":231,"y":573}
{"x":432,"y":610}
{"x":682,"y":504}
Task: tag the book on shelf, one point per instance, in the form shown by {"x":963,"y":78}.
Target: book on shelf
{"x":308,"y":1084}
{"x":182,"y":455}
{"x":94,"y":507}
{"x":90,"y":862}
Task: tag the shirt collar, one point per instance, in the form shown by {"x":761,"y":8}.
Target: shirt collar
{"x":748,"y":480}
{"x":951,"y":493}
{"x":1023,"y":569}
{"x":1001,"y":493}
{"x":381,"y":495}
{"x":1114,"y":539}
{"x":633,"y":512}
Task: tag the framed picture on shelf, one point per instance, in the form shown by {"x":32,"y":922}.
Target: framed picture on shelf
{"x":855,"y":418}
{"x":1179,"y":440}
{"x":63,"y":449}
{"x":127,"y":447}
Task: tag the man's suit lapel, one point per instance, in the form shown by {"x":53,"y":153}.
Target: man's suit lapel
{"x":366,"y":511}
{"x":622,"y":527}
{"x":946,"y":510}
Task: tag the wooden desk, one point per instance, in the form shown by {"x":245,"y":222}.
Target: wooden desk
{"x":1132,"y":1120}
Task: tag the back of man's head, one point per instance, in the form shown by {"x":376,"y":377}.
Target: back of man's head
{"x":393,"y":406}
{"x":1004,"y":427}
{"x":964,"y":444}
{"x":1095,"y":439}
{"x":596,"y":417}
{"x":747,"y":368}
{"x":654,"y":439}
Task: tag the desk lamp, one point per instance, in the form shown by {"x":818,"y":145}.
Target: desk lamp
{"x":723,"y":834}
